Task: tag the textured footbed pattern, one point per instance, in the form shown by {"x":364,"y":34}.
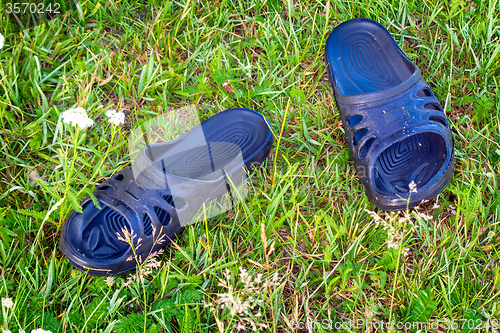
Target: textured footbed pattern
{"x":363,"y":58}
{"x":415,"y":159}
{"x":99,"y":233}
{"x":368,"y":65}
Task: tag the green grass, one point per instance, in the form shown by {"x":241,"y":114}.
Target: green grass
{"x":330,"y":255}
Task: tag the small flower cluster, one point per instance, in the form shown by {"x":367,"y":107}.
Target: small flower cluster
{"x":78,"y":117}
{"x":115,"y":117}
{"x":7,"y":302}
{"x":413,"y":187}
{"x":244,"y":301}
{"x":110,"y":281}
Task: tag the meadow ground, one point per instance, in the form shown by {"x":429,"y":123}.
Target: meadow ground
{"x":304,"y":225}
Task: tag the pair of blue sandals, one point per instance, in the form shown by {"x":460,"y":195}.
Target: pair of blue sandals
{"x":397,"y":133}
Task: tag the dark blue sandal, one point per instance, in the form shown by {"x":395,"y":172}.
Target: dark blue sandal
{"x":397,"y":133}
{"x":166,"y":185}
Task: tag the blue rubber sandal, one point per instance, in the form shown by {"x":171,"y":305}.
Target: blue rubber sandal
{"x":141,"y":198}
{"x":396,"y":130}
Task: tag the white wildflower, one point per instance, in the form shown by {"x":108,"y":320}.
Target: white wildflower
{"x":40,"y":330}
{"x":22,"y":331}
{"x":7,"y":302}
{"x":110,"y":281}
{"x":6,"y":331}
{"x":77,"y":117}
{"x":2,"y":39}
{"x":413,"y":187}
{"x":115,"y":117}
